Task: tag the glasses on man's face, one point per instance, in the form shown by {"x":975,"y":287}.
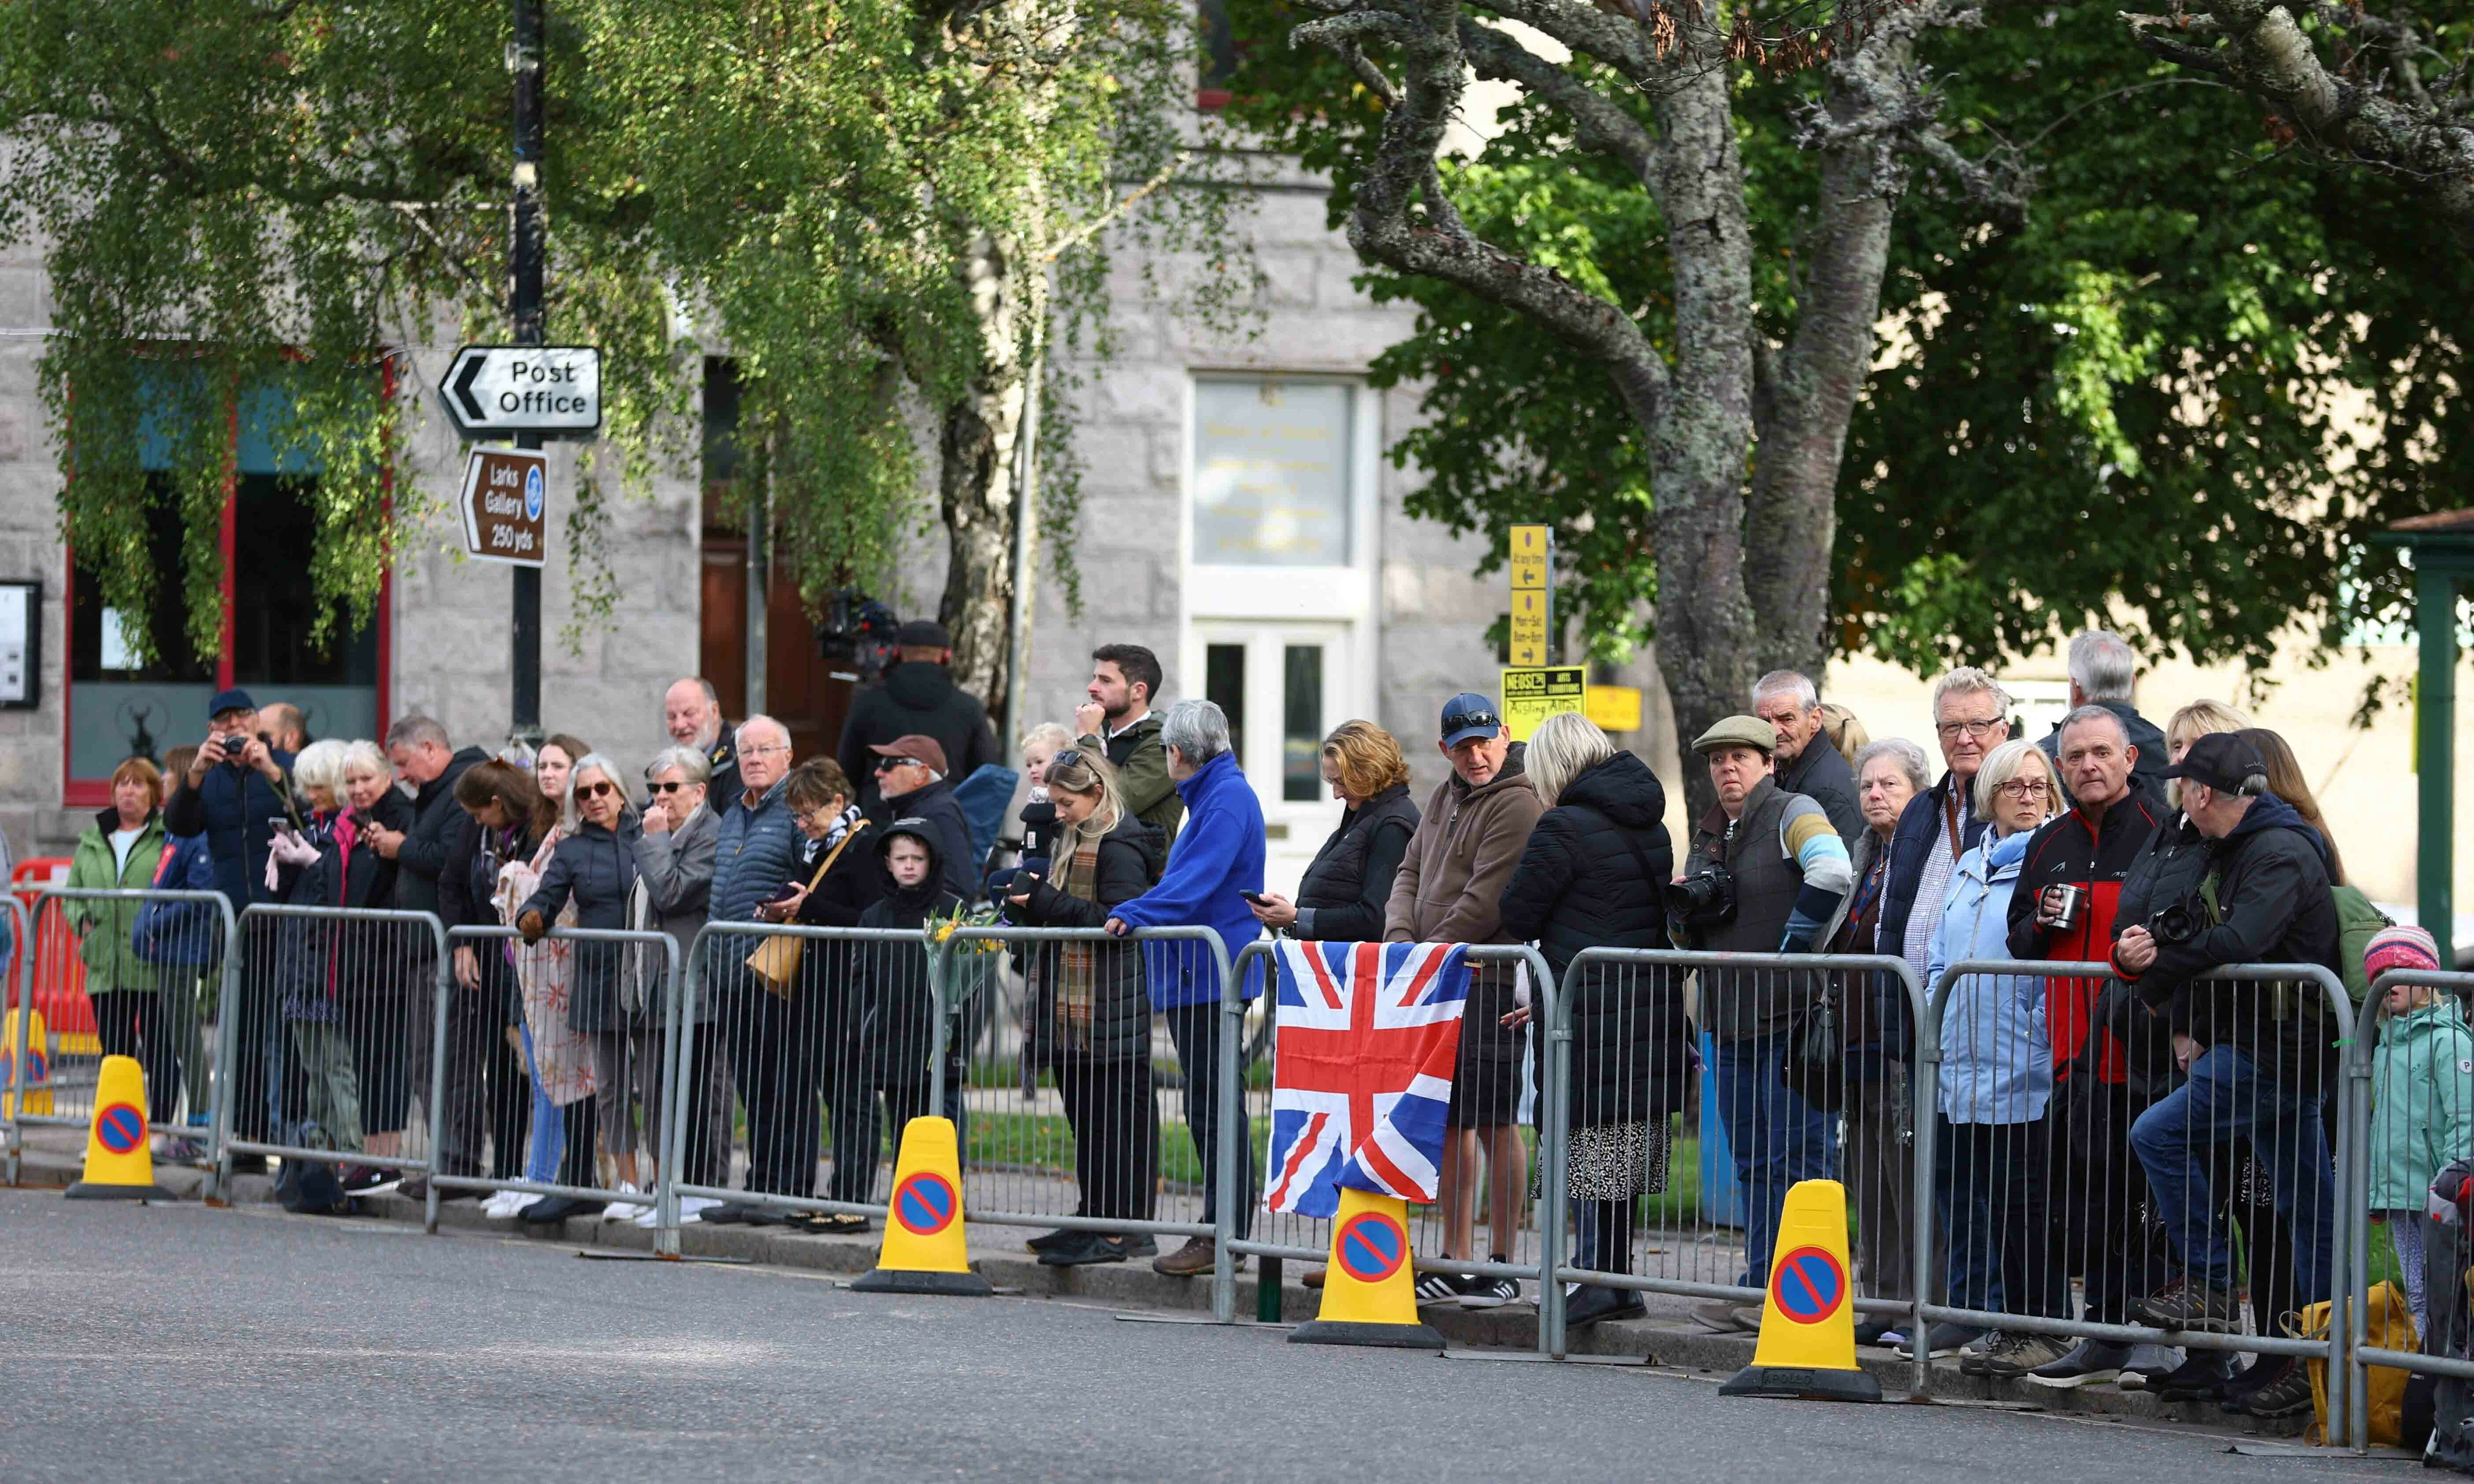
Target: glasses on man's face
{"x":666,"y":788}
{"x":2025,"y":790}
{"x":594,"y":790}
{"x":1981,"y":731}
{"x":889,"y":765}
{"x":766,"y":750}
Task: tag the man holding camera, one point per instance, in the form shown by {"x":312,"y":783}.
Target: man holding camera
{"x":2251,"y":888}
{"x":236,"y":786}
{"x":1767,"y":873}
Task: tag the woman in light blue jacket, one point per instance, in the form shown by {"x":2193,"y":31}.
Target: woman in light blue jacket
{"x":1997,"y":1078}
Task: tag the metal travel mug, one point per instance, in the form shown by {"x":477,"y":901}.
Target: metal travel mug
{"x":2069,"y":906}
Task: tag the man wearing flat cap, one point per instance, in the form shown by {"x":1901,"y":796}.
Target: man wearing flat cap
{"x":919,"y":698}
{"x":2247,"y":880}
{"x":1767,"y":873}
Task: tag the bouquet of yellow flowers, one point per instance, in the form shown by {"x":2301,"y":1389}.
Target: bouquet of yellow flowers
{"x":940,"y":930}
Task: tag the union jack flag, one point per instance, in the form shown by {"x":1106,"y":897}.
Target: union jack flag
{"x":1367,"y":1034}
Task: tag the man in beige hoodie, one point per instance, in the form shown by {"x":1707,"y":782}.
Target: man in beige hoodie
{"x":1467,"y":841}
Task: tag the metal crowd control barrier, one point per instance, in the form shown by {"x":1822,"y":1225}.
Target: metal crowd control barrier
{"x":150,"y":1008}
{"x":547,"y":988}
{"x":1985,"y":1057}
{"x":1732,"y":990}
{"x":1309,"y":1239}
{"x":2413,"y":1103}
{"x":774,"y":1055}
{"x":18,"y":1079}
{"x":320,"y":1039}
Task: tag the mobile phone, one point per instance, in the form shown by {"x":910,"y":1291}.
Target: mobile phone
{"x":281,"y":824}
{"x":1256,"y":897}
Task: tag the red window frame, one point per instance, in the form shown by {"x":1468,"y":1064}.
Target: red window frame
{"x":96,"y":792}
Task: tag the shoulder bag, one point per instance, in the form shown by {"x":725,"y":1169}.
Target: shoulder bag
{"x":775,"y":962}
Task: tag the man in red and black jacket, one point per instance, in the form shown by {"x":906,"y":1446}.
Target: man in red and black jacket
{"x":2097,"y":1186}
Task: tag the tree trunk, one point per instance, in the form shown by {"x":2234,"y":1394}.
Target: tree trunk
{"x":978,"y":434}
{"x":1702,"y":429}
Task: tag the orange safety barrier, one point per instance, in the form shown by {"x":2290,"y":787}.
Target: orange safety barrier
{"x":55,"y":973}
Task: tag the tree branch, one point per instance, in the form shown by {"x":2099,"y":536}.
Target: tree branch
{"x":1598,"y":122}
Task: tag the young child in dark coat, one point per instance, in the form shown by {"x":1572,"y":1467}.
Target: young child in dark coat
{"x":892,"y":987}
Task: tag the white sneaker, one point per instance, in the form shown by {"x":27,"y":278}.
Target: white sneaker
{"x":495,"y":1207}
{"x":624,"y":1210}
{"x":690,"y":1211}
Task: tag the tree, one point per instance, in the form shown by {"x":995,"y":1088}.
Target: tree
{"x":2180,"y":379}
{"x":2345,"y":86}
{"x":1732,"y":382}
{"x":864,"y":202}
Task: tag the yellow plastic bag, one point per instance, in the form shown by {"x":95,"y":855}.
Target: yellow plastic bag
{"x":2387,"y":1325}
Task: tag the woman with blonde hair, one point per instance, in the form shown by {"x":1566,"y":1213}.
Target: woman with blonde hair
{"x":1594,"y":874}
{"x":1090,"y":1014}
{"x":1996,"y":1076}
{"x":1341,"y":895}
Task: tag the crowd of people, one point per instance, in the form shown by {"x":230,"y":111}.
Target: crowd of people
{"x":2098,"y":1134}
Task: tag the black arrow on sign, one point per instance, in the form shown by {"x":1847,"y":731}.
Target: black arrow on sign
{"x":463,"y":389}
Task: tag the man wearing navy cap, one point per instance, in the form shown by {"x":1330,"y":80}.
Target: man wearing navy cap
{"x":1450,"y":890}
{"x":237,"y":783}
{"x":2248,"y":885}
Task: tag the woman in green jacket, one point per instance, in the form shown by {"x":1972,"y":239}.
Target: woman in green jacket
{"x":120,"y":851}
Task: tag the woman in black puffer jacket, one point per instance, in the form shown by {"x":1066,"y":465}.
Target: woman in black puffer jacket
{"x":1090,"y":1014}
{"x":1594,"y":874}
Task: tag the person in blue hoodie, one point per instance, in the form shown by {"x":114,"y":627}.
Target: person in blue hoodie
{"x":1997,"y":1078}
{"x":1218,"y":858}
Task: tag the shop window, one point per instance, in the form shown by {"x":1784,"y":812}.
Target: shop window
{"x":118,"y":708}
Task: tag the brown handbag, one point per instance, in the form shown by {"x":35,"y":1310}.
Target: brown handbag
{"x":775,"y":962}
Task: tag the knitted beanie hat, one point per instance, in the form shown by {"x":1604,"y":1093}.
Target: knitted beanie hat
{"x":2400,"y":948}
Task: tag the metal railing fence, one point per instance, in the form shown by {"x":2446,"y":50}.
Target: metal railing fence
{"x":586,"y":1037}
{"x":2232,"y":1094}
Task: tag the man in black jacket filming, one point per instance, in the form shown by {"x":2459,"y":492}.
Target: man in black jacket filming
{"x":2258,"y":893}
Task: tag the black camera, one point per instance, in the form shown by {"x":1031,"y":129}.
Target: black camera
{"x":2178,"y":923}
{"x":855,"y":636}
{"x":1704,"y":900}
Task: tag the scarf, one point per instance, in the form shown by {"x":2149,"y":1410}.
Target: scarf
{"x":1078,"y":987}
{"x":841,"y":826}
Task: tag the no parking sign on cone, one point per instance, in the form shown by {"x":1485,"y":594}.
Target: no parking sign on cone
{"x":924,"y":1251}
{"x":118,"y":1164}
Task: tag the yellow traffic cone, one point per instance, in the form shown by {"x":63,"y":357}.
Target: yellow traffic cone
{"x":1808,"y":1344}
{"x":1370,"y":1295}
{"x":118,"y":1164}
{"x":924,"y":1249}
{"x":36,"y":1083}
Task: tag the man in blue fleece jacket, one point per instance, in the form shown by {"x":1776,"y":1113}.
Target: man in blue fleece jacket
{"x":1217,"y":856}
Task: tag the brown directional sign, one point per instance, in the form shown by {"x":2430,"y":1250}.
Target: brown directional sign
{"x":505,"y":506}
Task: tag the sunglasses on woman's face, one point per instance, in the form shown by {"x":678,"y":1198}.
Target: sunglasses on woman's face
{"x":1071,"y":757}
{"x":594,"y":790}
{"x":665,"y":787}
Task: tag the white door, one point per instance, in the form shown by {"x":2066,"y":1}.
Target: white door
{"x":1284,"y":685}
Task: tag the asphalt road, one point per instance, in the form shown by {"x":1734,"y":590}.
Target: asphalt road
{"x":175,"y":1343}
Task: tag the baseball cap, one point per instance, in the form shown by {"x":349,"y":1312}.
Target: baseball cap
{"x":233,"y":700}
{"x":923,"y":634}
{"x":927,"y":750}
{"x":1469,"y":715}
{"x":2224,"y":762}
{"x":1739,"y":732}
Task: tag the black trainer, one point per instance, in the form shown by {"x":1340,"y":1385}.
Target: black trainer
{"x":1086,"y":1248}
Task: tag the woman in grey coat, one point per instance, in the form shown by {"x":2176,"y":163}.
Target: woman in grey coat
{"x":596,"y":867}
{"x":674,"y":862}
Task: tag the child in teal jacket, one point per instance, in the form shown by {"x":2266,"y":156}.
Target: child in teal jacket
{"x":2422,"y":1088}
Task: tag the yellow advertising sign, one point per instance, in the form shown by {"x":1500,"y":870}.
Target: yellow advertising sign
{"x":1530,"y":695}
{"x":1531,"y":546}
{"x":1528,"y":627}
{"x":1615,"y":707}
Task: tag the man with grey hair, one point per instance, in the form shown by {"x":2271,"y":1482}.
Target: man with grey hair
{"x":2103,"y":670}
{"x":755,"y":852}
{"x":1218,"y":858}
{"x":1807,"y":761}
{"x":691,"y":715}
{"x":1970,"y":718}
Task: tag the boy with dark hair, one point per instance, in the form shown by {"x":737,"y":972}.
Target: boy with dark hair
{"x":894,"y":995}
